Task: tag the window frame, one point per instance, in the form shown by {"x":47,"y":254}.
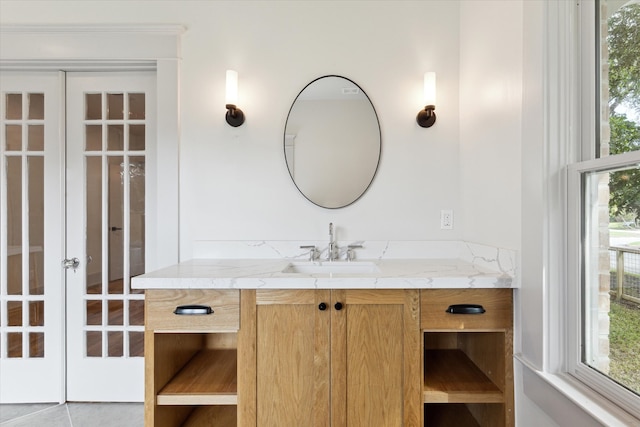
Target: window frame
{"x":575,"y":289}
{"x":588,"y":162}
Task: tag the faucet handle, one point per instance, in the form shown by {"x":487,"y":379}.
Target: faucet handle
{"x":313,"y":252}
{"x":350,"y":253}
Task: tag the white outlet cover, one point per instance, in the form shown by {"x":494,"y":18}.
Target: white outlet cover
{"x":446,"y":219}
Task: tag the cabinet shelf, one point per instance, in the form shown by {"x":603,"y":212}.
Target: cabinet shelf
{"x":212,"y":416}
{"x":442,"y":414}
{"x":451,"y":377}
{"x":209,"y":378}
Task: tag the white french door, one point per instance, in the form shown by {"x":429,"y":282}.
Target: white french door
{"x":77,"y":333}
{"x":31,"y":238}
{"x":110,"y":132}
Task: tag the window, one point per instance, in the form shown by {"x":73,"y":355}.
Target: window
{"x":606,"y":187}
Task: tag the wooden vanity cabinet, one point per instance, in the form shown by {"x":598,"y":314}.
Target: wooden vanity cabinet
{"x":331,"y":358}
{"x":191,"y":360}
{"x":468,"y":358}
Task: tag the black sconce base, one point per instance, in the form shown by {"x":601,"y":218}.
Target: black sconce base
{"x":234,"y":116}
{"x":427,"y":117}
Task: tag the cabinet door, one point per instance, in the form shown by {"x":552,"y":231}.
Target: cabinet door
{"x":292,"y":358}
{"x":375,"y":358}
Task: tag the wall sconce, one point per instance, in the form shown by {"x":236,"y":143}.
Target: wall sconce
{"x":234,"y":116}
{"x":427,"y":117}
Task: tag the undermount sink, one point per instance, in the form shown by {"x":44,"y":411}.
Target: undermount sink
{"x":336,"y":267}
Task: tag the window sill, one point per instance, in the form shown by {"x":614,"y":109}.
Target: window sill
{"x":591,"y":403}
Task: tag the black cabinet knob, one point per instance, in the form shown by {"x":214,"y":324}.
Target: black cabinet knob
{"x":322,"y":306}
{"x":338,"y":306}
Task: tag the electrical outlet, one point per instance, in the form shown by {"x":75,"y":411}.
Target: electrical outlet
{"x":446,"y":219}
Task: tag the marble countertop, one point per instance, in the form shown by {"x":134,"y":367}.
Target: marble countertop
{"x":272,"y":274}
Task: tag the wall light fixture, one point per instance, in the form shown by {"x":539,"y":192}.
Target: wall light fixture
{"x":234,"y":116}
{"x":427,"y":117}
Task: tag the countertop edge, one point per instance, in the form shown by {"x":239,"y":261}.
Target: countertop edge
{"x":268,"y":274}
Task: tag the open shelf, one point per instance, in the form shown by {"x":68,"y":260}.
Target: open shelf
{"x":212,"y":416}
{"x":209,"y":378}
{"x":451,"y":377}
{"x":439,"y":414}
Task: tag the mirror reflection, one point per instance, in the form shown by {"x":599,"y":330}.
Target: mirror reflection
{"x":332,"y":142}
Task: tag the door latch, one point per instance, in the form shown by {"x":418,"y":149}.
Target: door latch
{"x":72,"y":263}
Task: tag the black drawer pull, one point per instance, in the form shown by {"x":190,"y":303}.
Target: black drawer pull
{"x":192,"y":310}
{"x":465,"y":309}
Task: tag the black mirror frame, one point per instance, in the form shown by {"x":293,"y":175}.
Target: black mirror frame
{"x":379,"y":137}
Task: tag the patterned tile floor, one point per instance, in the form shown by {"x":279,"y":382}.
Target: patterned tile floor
{"x":72,"y":415}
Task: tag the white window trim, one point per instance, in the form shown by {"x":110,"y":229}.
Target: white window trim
{"x":569,"y":134}
{"x":586,"y":143}
{"x":574,"y":365}
{"x":594,"y":409}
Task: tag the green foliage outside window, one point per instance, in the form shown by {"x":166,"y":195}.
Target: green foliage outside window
{"x":624,"y":91}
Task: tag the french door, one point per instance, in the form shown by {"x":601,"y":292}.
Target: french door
{"x":31,"y":238}
{"x":110,"y":128}
{"x":94,"y":348}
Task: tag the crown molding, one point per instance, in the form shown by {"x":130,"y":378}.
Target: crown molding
{"x":172,"y":29}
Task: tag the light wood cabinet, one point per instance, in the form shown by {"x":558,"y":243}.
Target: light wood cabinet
{"x":191,"y":360}
{"x":468,"y":358}
{"x":334,"y":358}
{"x":329,"y":358}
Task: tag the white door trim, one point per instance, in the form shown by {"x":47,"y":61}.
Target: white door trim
{"x":125,"y":44}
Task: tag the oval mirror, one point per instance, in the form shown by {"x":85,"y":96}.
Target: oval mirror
{"x":332,"y":142}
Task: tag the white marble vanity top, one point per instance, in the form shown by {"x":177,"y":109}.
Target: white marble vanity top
{"x":470,"y":266}
{"x":268,"y":274}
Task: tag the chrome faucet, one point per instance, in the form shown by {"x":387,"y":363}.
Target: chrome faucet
{"x":313,"y":252}
{"x":350,"y":254}
{"x":331,"y":251}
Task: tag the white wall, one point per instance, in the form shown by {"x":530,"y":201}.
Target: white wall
{"x":237,"y":185}
{"x":491,"y":121}
{"x":234,"y":182}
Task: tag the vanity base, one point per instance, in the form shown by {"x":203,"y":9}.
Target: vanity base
{"x":334,"y":357}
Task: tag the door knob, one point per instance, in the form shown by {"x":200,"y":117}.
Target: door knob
{"x":72,"y":263}
{"x":322,"y":306}
{"x":116,"y":228}
{"x":338,"y":306}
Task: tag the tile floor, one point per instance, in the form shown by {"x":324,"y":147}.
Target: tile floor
{"x":72,"y":415}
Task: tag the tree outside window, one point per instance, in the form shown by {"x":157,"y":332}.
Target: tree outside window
{"x":611,"y":324}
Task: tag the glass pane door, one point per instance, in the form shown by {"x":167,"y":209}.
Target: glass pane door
{"x":110,"y":133}
{"x":31,"y":238}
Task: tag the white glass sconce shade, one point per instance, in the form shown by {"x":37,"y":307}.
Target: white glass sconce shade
{"x":232,"y":87}
{"x":234,"y":116}
{"x":430,"y":88}
{"x":427,"y":117}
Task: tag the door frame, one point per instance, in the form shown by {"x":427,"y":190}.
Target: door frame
{"x":123,"y":48}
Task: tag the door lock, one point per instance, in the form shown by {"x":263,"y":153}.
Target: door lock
{"x":72,"y":263}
